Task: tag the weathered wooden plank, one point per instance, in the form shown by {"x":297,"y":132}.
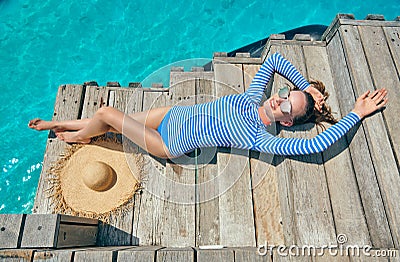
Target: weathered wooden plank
{"x":68,"y":102}
{"x":333,"y":27}
{"x":179,"y":193}
{"x":235,"y":204}
{"x":40,"y":231}
{"x":310,"y":208}
{"x":267,"y":208}
{"x":207,"y":200}
{"x":244,"y":54}
{"x":133,"y":103}
{"x":175,"y":254}
{"x":54,"y":150}
{"x":48,"y":231}
{"x":206,"y":255}
{"x":145,"y":253}
{"x":365,"y":23}
{"x":53,"y":255}
{"x":333,"y":254}
{"x":94,"y":256}
{"x":379,"y":146}
{"x":16,"y":255}
{"x":286,"y":200}
{"x":286,"y":254}
{"x":348,"y":19}
{"x":118,"y":231}
{"x":267,"y":213}
{"x":346,"y":203}
{"x":237,"y":60}
{"x":378,"y":56}
{"x":128,"y":100}
{"x":95,"y":97}
{"x":149,"y":204}
{"x":371,"y":255}
{"x":362,"y":162}
{"x":249,"y":71}
{"x":393,"y":39}
{"x":393,"y":254}
{"x":10,"y":230}
{"x":283,"y":42}
{"x":67,"y":106}
{"x":251,"y":254}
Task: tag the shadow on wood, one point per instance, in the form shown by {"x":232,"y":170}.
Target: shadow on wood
{"x":112,"y":236}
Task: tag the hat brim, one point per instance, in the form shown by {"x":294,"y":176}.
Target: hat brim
{"x":73,"y":196}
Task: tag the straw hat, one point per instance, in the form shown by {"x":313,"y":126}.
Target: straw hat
{"x":95,"y":180}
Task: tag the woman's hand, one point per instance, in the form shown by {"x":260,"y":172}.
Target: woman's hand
{"x":317,"y":96}
{"x":368,"y":103}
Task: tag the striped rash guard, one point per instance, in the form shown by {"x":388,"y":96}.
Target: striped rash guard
{"x":233,"y":120}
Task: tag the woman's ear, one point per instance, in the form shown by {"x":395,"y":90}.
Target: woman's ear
{"x":286,"y":123}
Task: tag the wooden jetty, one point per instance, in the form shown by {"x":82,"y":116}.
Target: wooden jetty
{"x":346,"y":196}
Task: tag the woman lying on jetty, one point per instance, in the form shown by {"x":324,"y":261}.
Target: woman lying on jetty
{"x":237,"y":121}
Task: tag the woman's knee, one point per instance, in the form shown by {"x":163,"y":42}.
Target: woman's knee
{"x":106,"y":111}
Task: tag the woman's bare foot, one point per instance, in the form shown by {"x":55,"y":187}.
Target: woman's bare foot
{"x":39,"y":124}
{"x":72,"y":137}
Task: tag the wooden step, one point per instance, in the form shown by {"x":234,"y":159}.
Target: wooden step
{"x":47,"y":231}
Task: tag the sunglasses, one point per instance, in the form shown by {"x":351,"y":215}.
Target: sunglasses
{"x":286,"y":106}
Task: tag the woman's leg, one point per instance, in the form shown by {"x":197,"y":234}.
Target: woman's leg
{"x":58,"y":126}
{"x":108,"y":118}
{"x":151,"y":118}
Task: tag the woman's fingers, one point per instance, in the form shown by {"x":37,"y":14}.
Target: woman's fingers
{"x":365,"y":95}
{"x":369,"y":102}
{"x":318,"y":106}
{"x":378,"y":98}
{"x":317,"y":96}
{"x":383,"y":103}
{"x":319,"y":101}
{"x":373,"y":95}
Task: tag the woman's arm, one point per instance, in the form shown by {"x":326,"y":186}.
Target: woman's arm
{"x":365,"y":105}
{"x":274,"y":63}
{"x":301,"y":146}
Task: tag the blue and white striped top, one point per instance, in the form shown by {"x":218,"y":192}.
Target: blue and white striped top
{"x":233,"y":120}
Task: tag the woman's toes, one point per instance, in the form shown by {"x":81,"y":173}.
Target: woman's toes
{"x":59,"y":136}
{"x":39,"y":124}
{"x":33,"y":122}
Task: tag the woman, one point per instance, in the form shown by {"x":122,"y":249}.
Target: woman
{"x":231,"y":121}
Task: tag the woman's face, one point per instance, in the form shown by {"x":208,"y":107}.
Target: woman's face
{"x":272,"y":107}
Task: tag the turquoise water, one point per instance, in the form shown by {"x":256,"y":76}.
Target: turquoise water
{"x":47,"y":43}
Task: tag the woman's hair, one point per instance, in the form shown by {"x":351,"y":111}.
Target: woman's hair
{"x":312,"y":115}
{"x":309,"y":112}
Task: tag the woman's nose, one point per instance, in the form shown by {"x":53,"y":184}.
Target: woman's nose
{"x":279,"y":100}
